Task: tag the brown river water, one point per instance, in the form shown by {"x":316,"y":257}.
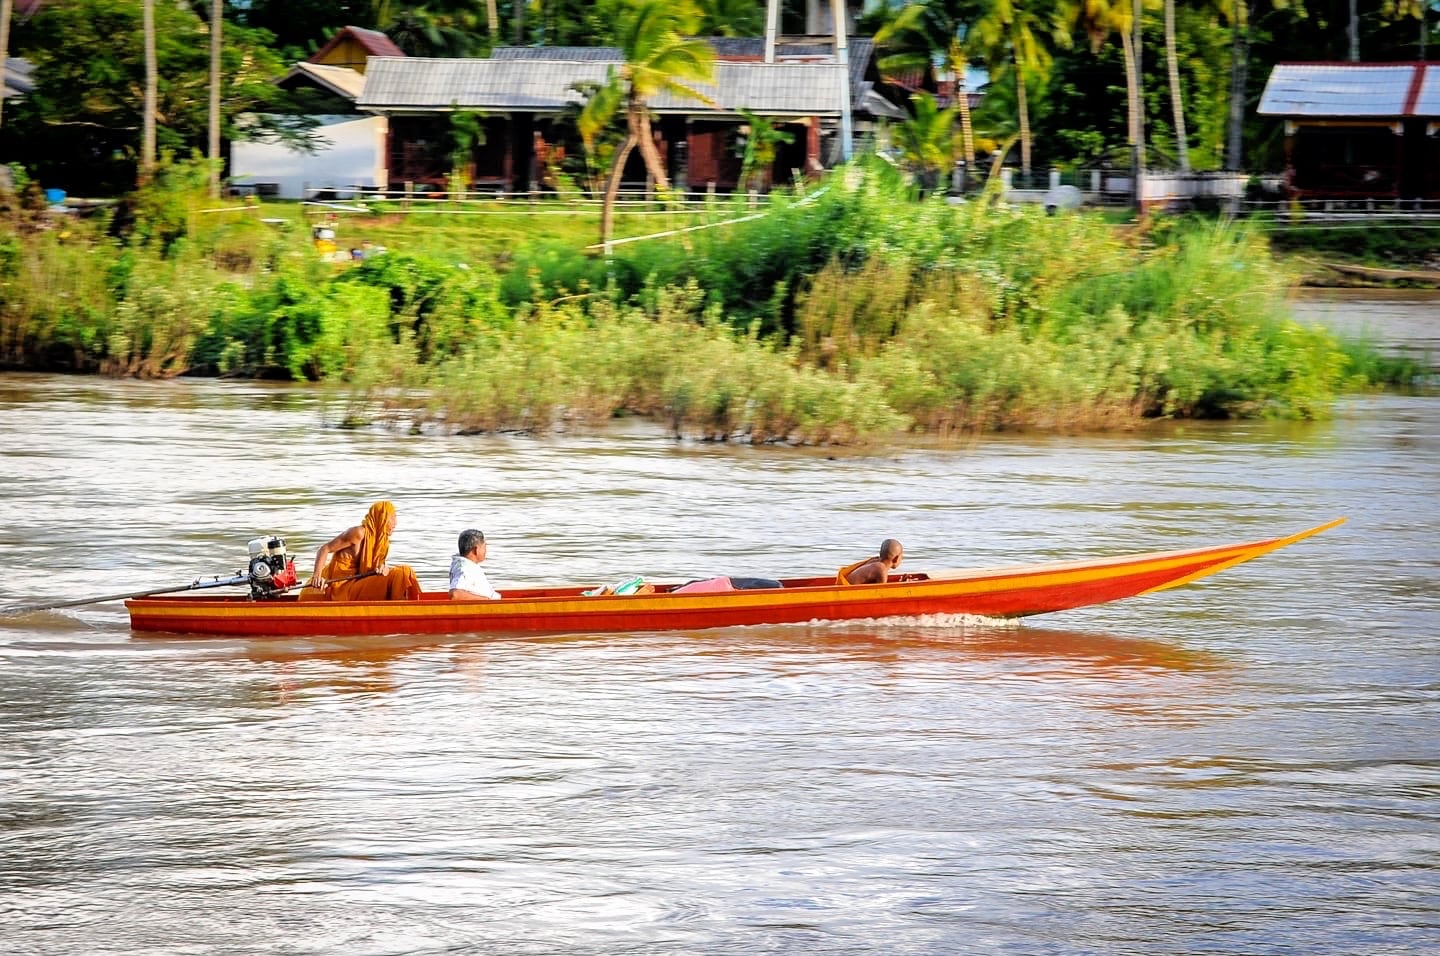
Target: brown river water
{"x":1250,"y":764}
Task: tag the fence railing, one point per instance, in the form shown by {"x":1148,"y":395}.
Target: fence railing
{"x":634,"y":197}
{"x":1225,"y":192}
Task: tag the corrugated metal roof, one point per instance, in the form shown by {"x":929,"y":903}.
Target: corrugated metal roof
{"x":609,"y":54}
{"x":1340,"y":90}
{"x":878,"y":106}
{"x":17,"y":77}
{"x":861,"y":49}
{"x":338,"y":79}
{"x":544,"y":86}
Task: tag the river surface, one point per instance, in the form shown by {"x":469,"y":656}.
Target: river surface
{"x":1250,"y":764}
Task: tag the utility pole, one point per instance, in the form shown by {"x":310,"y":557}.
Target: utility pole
{"x":6,"y":7}
{"x":842,"y":56}
{"x":772,"y":28}
{"x":217,"y":19}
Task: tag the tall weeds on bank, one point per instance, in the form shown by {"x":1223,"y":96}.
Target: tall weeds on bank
{"x":845,"y":315}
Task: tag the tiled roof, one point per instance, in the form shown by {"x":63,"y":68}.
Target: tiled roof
{"x":544,"y":86}
{"x":1352,"y":90}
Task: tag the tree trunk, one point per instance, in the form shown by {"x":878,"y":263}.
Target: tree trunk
{"x":492,"y":18}
{"x":1353,"y":32}
{"x":612,"y":190}
{"x":6,"y":7}
{"x":958,"y":63}
{"x":1132,"y":98}
{"x":217,"y":21}
{"x":152,"y":83}
{"x":1177,"y":102}
{"x":645,"y":139}
{"x":519,"y":22}
{"x":1024,"y":121}
{"x":1239,"y":80}
{"x":1139,"y":14}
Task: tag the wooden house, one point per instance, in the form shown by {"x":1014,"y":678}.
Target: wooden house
{"x":1358,"y":130}
{"x":352,"y":47}
{"x":529,"y":100}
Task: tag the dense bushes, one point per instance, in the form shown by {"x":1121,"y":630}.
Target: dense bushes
{"x":840,"y":316}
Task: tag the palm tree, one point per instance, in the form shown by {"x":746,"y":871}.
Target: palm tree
{"x":651,"y":35}
{"x":762,"y":145}
{"x":919,"y":31}
{"x":1242,"y":12}
{"x":1098,"y":18}
{"x":927,"y":141}
{"x":152,"y":83}
{"x":1177,"y":102}
{"x":1012,"y":35}
{"x":217,"y":14}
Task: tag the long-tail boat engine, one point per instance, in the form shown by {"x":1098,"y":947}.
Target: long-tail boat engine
{"x":271,"y":570}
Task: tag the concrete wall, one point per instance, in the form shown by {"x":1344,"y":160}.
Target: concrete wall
{"x":355,"y":157}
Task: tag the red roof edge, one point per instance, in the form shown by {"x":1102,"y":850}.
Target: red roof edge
{"x":1412,"y":97}
{"x":373,"y":42}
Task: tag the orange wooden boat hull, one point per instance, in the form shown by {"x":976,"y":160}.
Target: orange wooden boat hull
{"x":998,"y":592}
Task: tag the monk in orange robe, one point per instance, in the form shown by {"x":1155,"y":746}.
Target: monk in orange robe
{"x":358,"y":554}
{"x":874,"y":570}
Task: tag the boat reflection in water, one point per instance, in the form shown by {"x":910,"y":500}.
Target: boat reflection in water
{"x":973,"y":649}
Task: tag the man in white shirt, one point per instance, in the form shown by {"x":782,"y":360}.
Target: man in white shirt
{"x":467,"y":578}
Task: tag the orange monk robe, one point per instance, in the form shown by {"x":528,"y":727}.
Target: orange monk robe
{"x":397,"y":583}
{"x":842,"y":577}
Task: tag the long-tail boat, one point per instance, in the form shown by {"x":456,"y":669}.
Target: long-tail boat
{"x":1006,"y":592}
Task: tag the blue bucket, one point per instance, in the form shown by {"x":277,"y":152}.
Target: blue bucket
{"x":54,"y":196}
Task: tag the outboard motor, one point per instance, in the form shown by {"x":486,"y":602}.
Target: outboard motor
{"x":271,"y":570}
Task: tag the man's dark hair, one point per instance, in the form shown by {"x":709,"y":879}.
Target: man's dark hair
{"x":469,"y":538}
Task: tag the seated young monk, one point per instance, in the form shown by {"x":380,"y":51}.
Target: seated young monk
{"x":358,"y":554}
{"x":874,"y":570}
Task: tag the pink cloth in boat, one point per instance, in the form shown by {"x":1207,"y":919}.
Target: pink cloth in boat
{"x":708,"y":586}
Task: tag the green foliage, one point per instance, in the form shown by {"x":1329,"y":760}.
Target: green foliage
{"x":467,"y":131}
{"x":79,"y":128}
{"x":1385,"y":247}
{"x":548,"y":269}
{"x":731,"y":18}
{"x":760,"y":142}
{"x":928,"y":141}
{"x":841,"y":317}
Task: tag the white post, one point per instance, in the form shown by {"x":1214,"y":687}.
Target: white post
{"x":842,"y":56}
{"x":772,"y":27}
